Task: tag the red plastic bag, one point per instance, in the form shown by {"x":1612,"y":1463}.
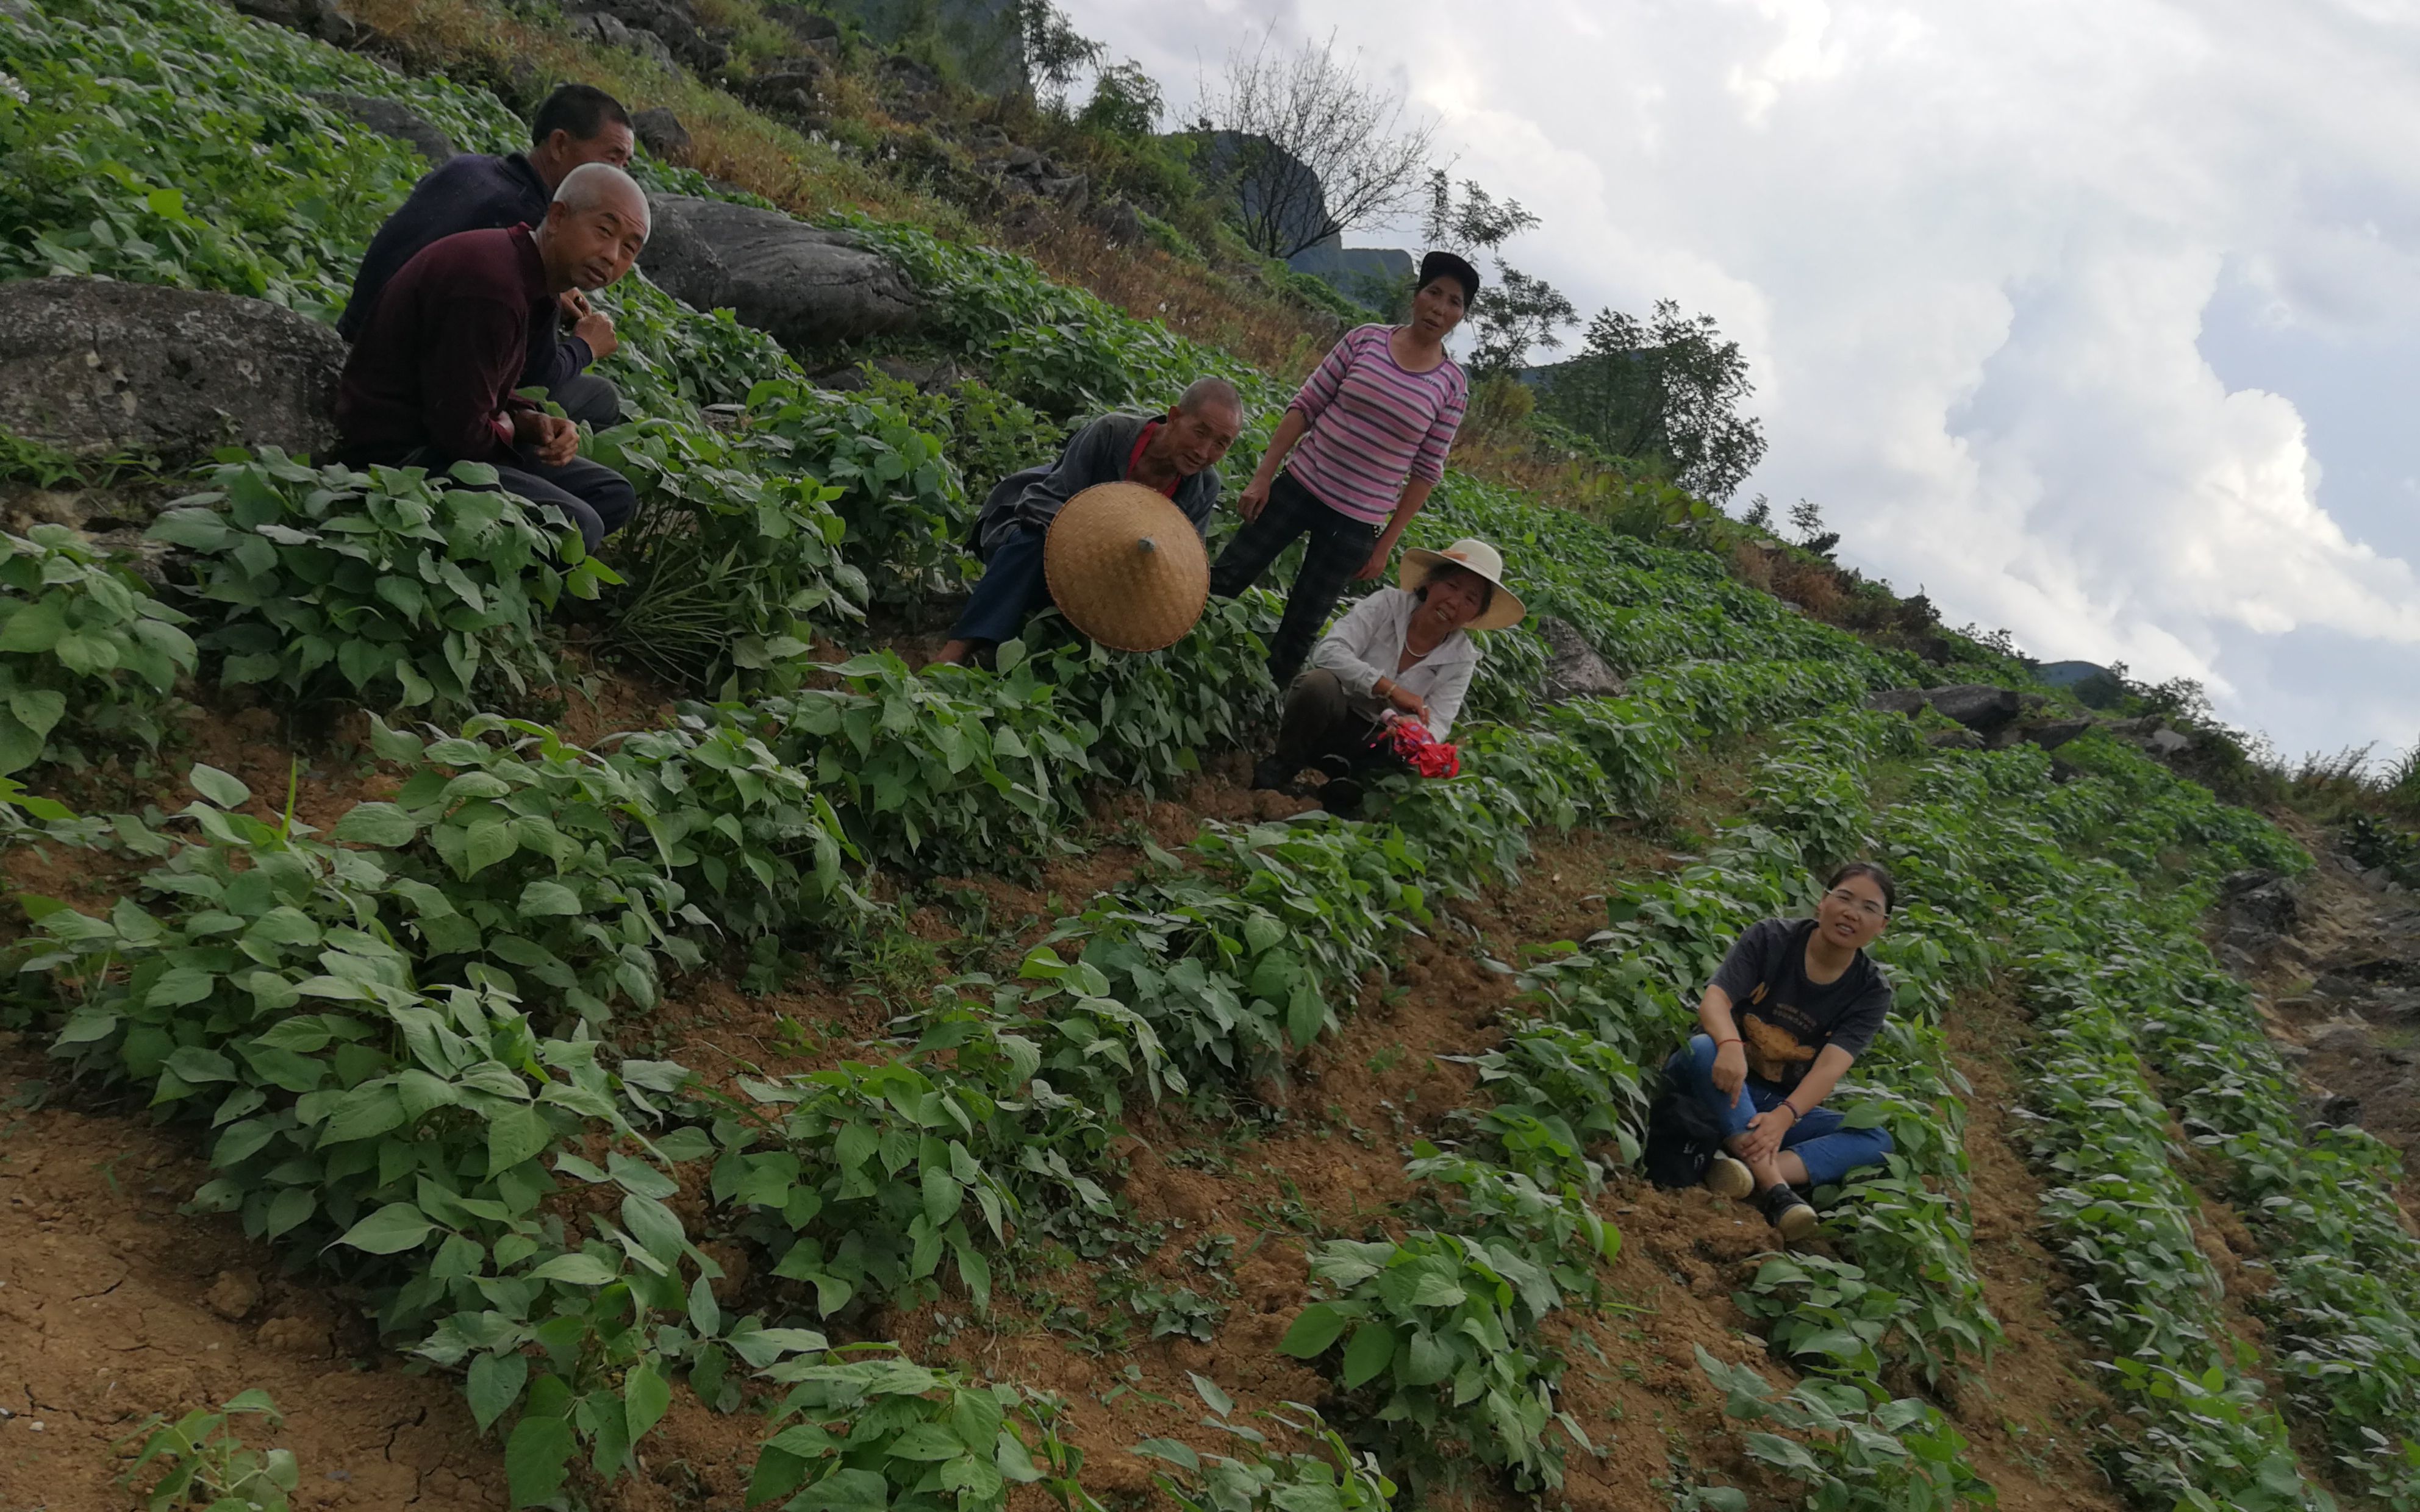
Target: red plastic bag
{"x":1428,"y":756}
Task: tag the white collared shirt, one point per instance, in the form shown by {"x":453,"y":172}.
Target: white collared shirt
{"x":1367,"y":644}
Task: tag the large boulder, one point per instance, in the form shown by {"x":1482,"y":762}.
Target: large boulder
{"x":387,"y":118}
{"x":100,"y":368}
{"x":808,"y":289}
{"x":1574,"y":668}
{"x":1979,"y":706}
{"x":1907,"y":700}
{"x":2052,"y":733}
{"x":662,"y":135}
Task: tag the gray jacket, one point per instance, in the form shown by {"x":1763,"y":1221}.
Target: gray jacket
{"x":1097,"y":453}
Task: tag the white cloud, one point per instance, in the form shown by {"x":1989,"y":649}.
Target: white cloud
{"x":1980,"y":258}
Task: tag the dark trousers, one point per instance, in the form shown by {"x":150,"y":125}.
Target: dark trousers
{"x":1322,"y":719}
{"x":1012,"y":588}
{"x":589,"y":399}
{"x":1339,"y":547}
{"x":591,"y":495}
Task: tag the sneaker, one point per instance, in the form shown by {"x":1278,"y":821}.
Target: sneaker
{"x":1726,"y":1176}
{"x":1273,"y":774}
{"x":1788,"y":1211}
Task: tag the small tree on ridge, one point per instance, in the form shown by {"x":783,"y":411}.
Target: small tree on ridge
{"x":1312,"y":149}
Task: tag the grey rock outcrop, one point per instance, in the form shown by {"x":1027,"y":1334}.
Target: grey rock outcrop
{"x":100,"y":368}
{"x":1574,"y":668}
{"x":1118,"y":221}
{"x":1026,"y":171}
{"x":610,"y":30}
{"x":1958,"y":739}
{"x":1979,"y":706}
{"x":664,"y":29}
{"x":2052,"y":733}
{"x":1898,"y":700}
{"x":662,"y":135}
{"x":792,"y":89}
{"x":2260,"y":900}
{"x":806,"y":288}
{"x":388,"y":118}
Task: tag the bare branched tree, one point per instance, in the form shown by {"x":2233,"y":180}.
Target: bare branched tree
{"x":1307,"y":147}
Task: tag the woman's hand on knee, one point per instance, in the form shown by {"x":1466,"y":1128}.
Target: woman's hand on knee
{"x":1730,"y":1071}
{"x":1762,"y":1140}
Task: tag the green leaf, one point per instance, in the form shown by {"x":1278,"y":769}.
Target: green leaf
{"x":375,"y":823}
{"x":515,"y":1134}
{"x":487,"y":843}
{"x":391,"y":1230}
{"x":1372,"y":1347}
{"x":219,"y":787}
{"x":36,"y":627}
{"x":38,"y":708}
{"x":1312,"y":1330}
{"x":578,"y":1269}
{"x":549,"y":898}
{"x":646,"y":1396}
{"x":536,"y":1458}
{"x":495,"y":1384}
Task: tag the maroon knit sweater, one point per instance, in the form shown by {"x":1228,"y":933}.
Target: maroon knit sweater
{"x":436,"y":364}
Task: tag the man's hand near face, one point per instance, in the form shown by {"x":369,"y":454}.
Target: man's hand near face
{"x":590,"y":324}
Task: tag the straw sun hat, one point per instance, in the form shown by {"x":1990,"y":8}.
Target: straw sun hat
{"x":1126,"y":568}
{"x":1421,"y":564}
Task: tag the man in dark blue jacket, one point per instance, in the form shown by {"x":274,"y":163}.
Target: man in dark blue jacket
{"x":473,"y":192}
{"x":1176,"y":453}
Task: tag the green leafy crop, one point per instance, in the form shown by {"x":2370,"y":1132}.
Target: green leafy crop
{"x":85,"y":650}
{"x":1436,"y":1322}
{"x":200,"y":1461}
{"x":385,"y":587}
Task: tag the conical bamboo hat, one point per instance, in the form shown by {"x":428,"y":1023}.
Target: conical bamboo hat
{"x":1125,"y":566}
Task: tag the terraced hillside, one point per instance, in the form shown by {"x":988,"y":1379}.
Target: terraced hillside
{"x":616,"y":1033}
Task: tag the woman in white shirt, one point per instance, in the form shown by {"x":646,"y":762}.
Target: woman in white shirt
{"x":1404,"y":652}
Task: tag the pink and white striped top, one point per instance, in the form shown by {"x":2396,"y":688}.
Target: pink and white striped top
{"x":1373,"y":424}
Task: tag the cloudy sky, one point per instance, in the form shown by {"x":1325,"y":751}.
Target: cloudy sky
{"x":2093,"y":318}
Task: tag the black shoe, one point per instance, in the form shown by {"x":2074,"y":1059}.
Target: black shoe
{"x":1787,"y":1211}
{"x":1341,"y":797}
{"x":1274,"y":774}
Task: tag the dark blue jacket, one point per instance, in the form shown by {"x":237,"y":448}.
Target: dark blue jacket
{"x":470,"y":192}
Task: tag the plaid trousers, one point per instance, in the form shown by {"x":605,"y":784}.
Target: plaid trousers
{"x":1338,"y":547}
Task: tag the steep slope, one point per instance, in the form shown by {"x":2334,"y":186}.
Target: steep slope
{"x":657,"y":1074}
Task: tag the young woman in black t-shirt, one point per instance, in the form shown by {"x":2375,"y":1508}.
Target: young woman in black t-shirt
{"x":1793,"y":1006}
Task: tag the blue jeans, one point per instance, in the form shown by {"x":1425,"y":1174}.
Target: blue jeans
{"x":1012,"y":588}
{"x":1818,"y":1138}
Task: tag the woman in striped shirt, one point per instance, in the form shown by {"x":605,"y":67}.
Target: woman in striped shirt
{"x":1373,"y":424}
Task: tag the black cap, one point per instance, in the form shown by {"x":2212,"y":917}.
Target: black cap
{"x":1438,"y":265}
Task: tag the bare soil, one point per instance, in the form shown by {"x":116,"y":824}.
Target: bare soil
{"x":114,"y":1305}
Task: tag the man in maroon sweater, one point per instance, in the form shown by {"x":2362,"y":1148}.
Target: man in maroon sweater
{"x":430,"y":379}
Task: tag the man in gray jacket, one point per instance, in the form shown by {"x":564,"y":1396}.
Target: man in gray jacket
{"x":1176,"y":453}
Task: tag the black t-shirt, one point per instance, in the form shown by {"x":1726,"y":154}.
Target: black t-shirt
{"x":1784,"y":1020}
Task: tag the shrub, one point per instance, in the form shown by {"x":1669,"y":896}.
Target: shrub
{"x":84,"y":649}
{"x":522,"y":854}
{"x":906,"y":510}
{"x":385,"y":586}
{"x":262,"y":995}
{"x":731,"y":570}
{"x":938,"y":772}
